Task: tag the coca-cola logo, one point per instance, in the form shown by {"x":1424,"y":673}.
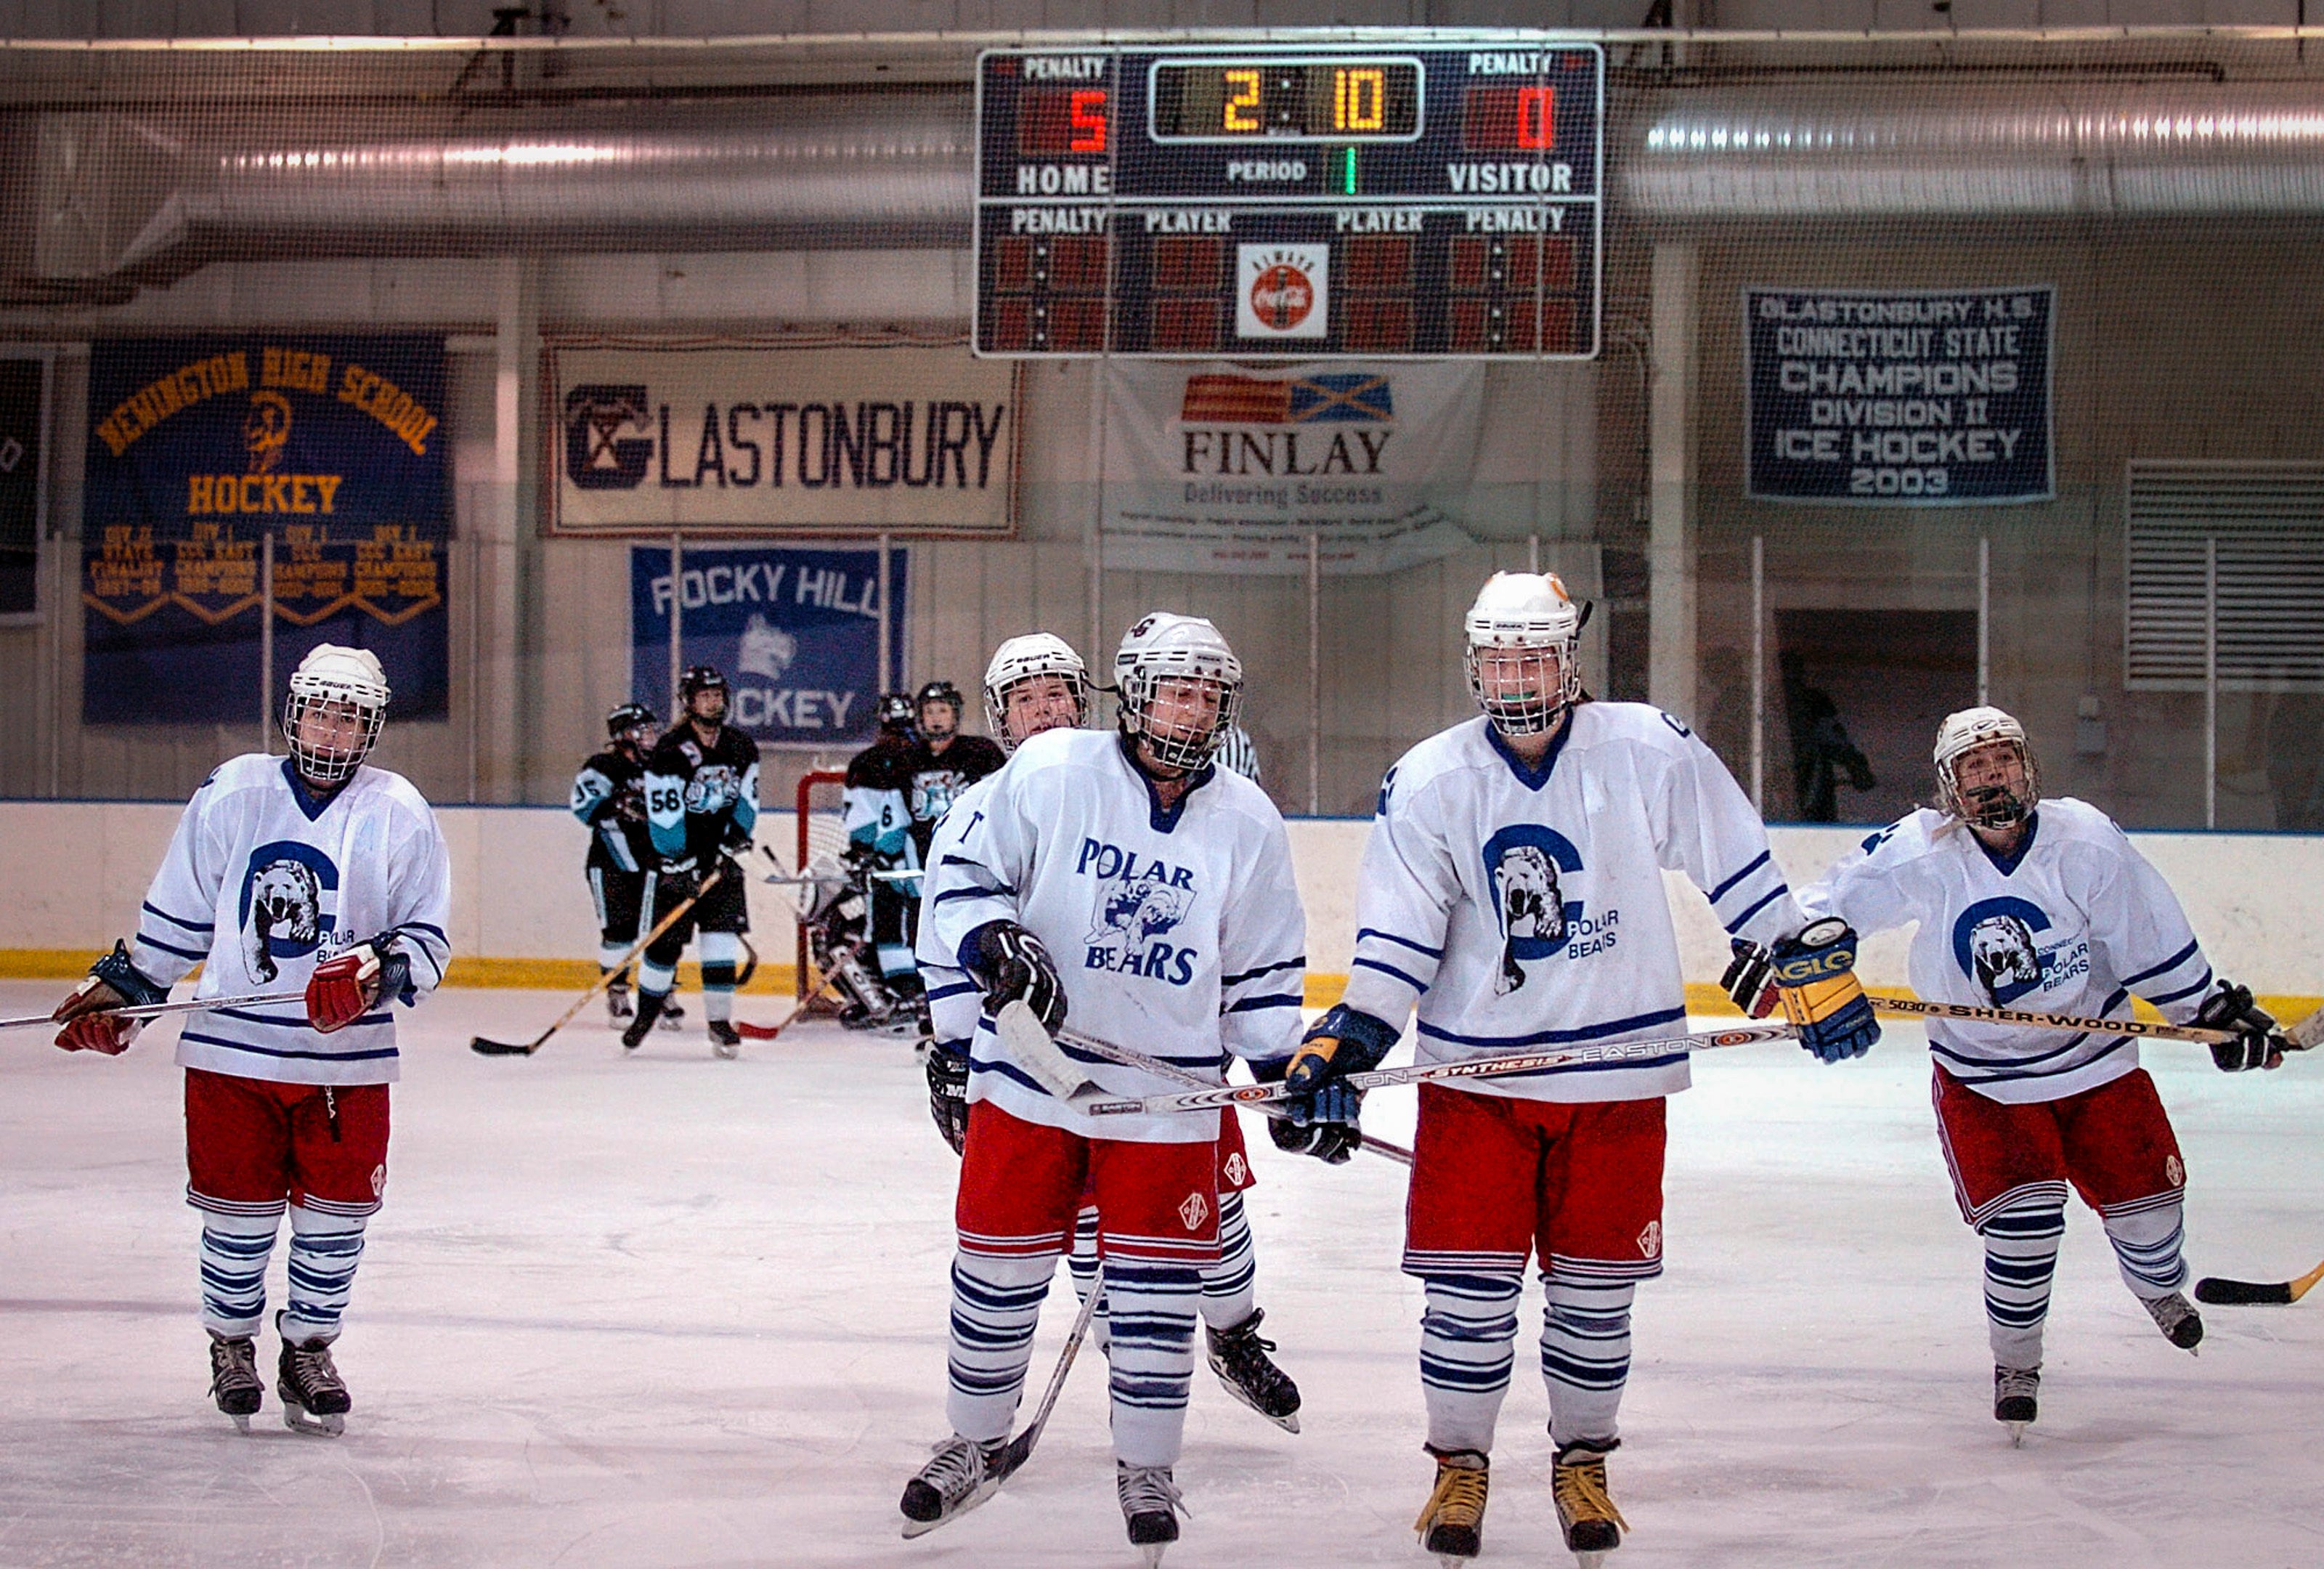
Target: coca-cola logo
{"x":1281,"y":296}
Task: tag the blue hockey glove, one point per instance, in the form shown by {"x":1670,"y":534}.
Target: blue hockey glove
{"x":1328,"y":1140}
{"x":1815,"y":977}
{"x":1342,"y":1042}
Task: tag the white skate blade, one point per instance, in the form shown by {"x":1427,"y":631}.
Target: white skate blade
{"x":299,"y":1419}
{"x":241,"y":1423}
{"x":2017,"y":1434}
{"x":1150,"y":1554}
{"x":984,"y":1490}
{"x":1589,"y":1560}
{"x":1289,"y":1424}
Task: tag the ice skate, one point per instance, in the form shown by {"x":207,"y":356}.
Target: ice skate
{"x":961,"y":1475}
{"x":1149,"y":1506}
{"x":618,"y":1009}
{"x":1593,"y":1526}
{"x":725,"y":1041}
{"x":1452,"y":1523}
{"x":650,"y":1007}
{"x":1239,"y":1356}
{"x":234,"y":1377}
{"x":673,"y":1017}
{"x":2176,"y":1317}
{"x":314,"y":1397}
{"x":2014,"y":1402}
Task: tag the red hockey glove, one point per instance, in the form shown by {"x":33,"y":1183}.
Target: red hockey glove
{"x":342,"y":988}
{"x":113,"y":982}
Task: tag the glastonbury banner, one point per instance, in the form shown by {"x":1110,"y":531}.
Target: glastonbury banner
{"x":199,"y":448}
{"x":1211,"y":469}
{"x":795,"y":631}
{"x":730,"y":437}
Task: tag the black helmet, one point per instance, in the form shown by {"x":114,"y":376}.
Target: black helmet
{"x":628,"y":716}
{"x":699,"y":678}
{"x":898,"y":711}
{"x":940,"y":692}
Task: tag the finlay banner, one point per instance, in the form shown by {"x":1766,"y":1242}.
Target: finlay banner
{"x":1210,"y":468}
{"x":729,"y":438}
{"x":201,"y":447}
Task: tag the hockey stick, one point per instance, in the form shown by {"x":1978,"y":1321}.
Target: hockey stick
{"x":2299,"y":1034}
{"x":1619,"y":1051}
{"x":157,"y":1009}
{"x":2256,"y":1293}
{"x":1019,"y":1449}
{"x":750,"y":1032}
{"x":485,"y":1047}
{"x":1161,"y":1069}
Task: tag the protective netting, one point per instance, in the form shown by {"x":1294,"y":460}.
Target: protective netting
{"x":1929,"y":369}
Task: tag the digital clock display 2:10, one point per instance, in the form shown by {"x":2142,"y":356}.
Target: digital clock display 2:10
{"x":1329,"y":100}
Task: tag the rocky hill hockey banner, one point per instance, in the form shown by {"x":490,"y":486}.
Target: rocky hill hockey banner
{"x":200,"y":447}
{"x":714,"y":437}
{"x":1212,"y":468}
{"x":1899,"y":398}
{"x":797,"y":632}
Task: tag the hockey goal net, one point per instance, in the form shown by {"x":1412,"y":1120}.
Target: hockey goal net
{"x":822,"y":833}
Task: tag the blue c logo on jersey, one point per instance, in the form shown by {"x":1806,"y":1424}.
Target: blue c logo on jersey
{"x":1994,"y":942}
{"x":1523,"y":865}
{"x":289,"y":905}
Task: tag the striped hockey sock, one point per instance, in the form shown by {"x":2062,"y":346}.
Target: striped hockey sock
{"x":233,"y":1252}
{"x":2021,"y":1255}
{"x":995,"y":1304}
{"x":1083,"y":1263}
{"x":1230,"y":1286}
{"x":1468,"y":1344}
{"x":1150,"y":1308}
{"x":324,"y":1250}
{"x":718,"y":951}
{"x":2147,"y":1234}
{"x":1585,"y":1353}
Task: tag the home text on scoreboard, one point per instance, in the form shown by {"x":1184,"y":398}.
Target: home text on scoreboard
{"x":1292,"y":202}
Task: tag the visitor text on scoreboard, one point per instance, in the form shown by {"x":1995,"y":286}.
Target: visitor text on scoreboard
{"x":1292,"y":202}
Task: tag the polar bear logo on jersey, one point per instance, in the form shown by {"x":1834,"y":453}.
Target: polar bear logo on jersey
{"x":1134,"y":913}
{"x":2002,"y":948}
{"x":1531,"y":908}
{"x":286,"y":909}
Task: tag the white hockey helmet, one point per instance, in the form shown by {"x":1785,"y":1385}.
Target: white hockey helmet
{"x":331,"y":675}
{"x":1022,"y":659}
{"x":1991,"y":805}
{"x":1166,"y":647}
{"x":1531,"y":614}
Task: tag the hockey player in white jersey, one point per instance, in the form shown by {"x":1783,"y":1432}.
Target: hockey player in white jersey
{"x":1512,"y":889}
{"x":1037,"y":683}
{"x":1162,"y":885}
{"x":2041,"y":905}
{"x":311,"y":871}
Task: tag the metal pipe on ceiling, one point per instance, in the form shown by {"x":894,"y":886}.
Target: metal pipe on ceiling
{"x":1977,"y":149}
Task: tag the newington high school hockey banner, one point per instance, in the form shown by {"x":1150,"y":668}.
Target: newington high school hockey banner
{"x":1213,"y":468}
{"x":200,"y":448}
{"x":722,"y":437}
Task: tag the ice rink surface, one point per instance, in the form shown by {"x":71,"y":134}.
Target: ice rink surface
{"x":674,"y":1311}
